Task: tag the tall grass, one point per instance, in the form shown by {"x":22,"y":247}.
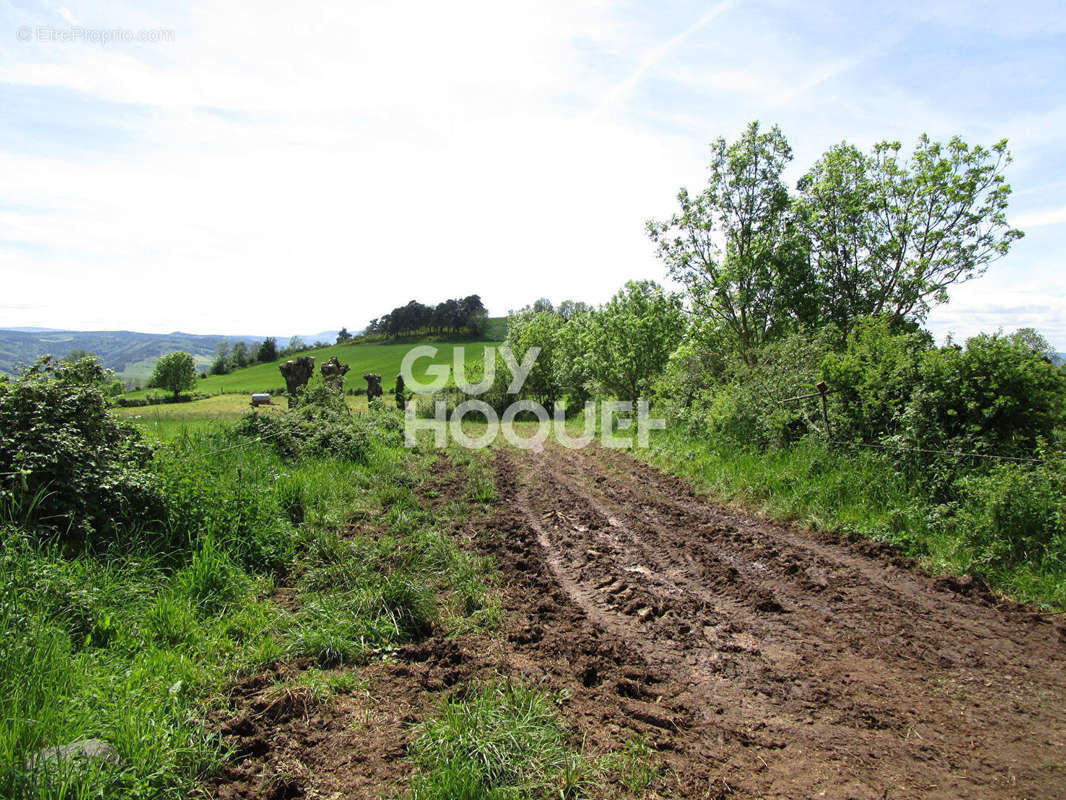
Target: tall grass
{"x":133,"y":643}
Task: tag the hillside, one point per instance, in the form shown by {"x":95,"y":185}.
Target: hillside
{"x":129,"y":353}
{"x":382,"y":359}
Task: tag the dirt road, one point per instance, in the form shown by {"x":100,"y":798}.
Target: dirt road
{"x":778,"y":662}
{"x":759,"y":660}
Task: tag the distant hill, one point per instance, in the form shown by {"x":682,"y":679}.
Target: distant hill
{"x":129,"y":353}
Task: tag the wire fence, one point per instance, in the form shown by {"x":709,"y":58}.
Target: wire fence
{"x":955,"y":453}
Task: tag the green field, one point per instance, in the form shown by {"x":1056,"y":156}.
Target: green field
{"x":381,"y":359}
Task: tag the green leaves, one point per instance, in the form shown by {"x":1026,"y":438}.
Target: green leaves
{"x":889,"y":236}
{"x":734,"y":246}
{"x":175,"y":372}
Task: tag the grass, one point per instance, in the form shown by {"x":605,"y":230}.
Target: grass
{"x":382,"y":359}
{"x":135,"y":644}
{"x":503,"y":740}
{"x":499,"y":741}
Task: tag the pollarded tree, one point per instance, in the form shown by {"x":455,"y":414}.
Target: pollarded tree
{"x":889,"y":236}
{"x":175,"y":372}
{"x":734,"y":245}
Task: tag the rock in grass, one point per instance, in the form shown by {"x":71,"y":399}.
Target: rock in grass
{"x":86,"y":750}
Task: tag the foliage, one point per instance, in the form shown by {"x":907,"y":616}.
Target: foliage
{"x":537,"y":329}
{"x":759,"y":283}
{"x":175,"y":372}
{"x":450,"y":316}
{"x":63,"y":454}
{"x":1016,"y":514}
{"x":996,"y":395}
{"x":873,"y":379}
{"x":631,"y":337}
{"x":268,"y":350}
{"x":890,"y":236}
{"x":745,"y":406}
{"x":321,"y":425}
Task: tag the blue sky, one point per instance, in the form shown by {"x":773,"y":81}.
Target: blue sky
{"x":256,"y":168}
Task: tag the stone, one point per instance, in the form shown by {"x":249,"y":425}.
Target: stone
{"x":52,"y":758}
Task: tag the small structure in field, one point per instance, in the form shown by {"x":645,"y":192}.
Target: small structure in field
{"x":373,"y":386}
{"x":261,"y":399}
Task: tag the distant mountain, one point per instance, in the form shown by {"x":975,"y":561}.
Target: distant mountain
{"x":1059,"y":358}
{"x":129,"y":353}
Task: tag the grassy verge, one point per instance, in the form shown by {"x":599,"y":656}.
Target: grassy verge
{"x":864,"y":492}
{"x":134,"y":643}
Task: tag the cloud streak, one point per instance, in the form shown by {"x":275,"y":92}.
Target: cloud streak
{"x":656,"y":55}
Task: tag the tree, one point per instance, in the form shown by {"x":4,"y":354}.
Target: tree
{"x":543,"y":304}
{"x":632,"y":336}
{"x":890,"y":236}
{"x":734,"y":245}
{"x":240,"y":354}
{"x":537,"y":329}
{"x":568,"y":309}
{"x":268,"y":350}
{"x":222,"y":363}
{"x":175,"y":372}
{"x":343,"y":337}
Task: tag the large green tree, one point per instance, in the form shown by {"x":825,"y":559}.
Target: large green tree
{"x":889,"y":236}
{"x":175,"y":372}
{"x":631,"y":337}
{"x":734,"y":245}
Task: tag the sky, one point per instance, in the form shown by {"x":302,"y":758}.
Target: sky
{"x":242,"y":168}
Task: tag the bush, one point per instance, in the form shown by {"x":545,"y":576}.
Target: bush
{"x":746,"y":408}
{"x":68,"y":464}
{"x":1016,"y":513}
{"x":873,"y":379}
{"x":997,"y":395}
{"x":322,"y":425}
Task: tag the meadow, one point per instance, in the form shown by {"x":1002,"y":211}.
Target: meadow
{"x":380,"y":359}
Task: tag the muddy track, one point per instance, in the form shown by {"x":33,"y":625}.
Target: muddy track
{"x":780,"y":663}
{"x":759,"y":660}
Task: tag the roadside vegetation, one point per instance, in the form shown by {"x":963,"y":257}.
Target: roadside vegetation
{"x":143,"y":575}
{"x":955,"y":453}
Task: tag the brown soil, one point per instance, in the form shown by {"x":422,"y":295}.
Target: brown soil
{"x":760,"y":660}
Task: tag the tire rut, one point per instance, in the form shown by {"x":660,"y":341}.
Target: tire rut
{"x":791,"y":665}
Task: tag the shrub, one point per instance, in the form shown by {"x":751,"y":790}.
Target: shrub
{"x":1016,"y":513}
{"x":873,"y":379}
{"x":997,"y":395}
{"x":68,"y":463}
{"x":746,"y":407}
{"x":322,"y":425}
